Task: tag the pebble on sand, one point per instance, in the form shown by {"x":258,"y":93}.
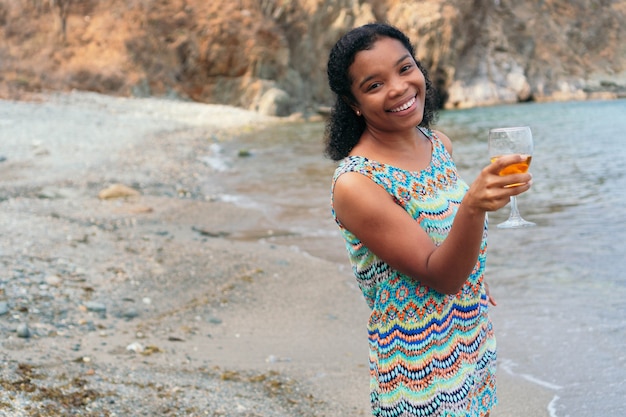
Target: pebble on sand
{"x":117,"y":191}
{"x":23,"y":331}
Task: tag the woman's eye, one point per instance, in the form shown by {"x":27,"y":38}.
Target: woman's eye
{"x":406,"y":68}
{"x":373,"y":86}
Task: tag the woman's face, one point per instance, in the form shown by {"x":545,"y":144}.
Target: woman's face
{"x":388,"y":86}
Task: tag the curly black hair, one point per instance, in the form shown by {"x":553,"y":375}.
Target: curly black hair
{"x":344,"y":128}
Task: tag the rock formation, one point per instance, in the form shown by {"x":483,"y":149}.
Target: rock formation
{"x":270,"y":55}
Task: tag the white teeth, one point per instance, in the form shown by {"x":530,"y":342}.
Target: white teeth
{"x":404,"y":106}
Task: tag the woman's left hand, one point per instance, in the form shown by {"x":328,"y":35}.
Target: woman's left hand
{"x":489,"y":297}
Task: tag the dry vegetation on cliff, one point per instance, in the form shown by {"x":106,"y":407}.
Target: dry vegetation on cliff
{"x":270,"y":55}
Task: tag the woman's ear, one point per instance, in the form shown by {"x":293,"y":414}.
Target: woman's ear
{"x":352,"y":105}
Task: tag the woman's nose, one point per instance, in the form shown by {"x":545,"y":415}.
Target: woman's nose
{"x":398,"y":86}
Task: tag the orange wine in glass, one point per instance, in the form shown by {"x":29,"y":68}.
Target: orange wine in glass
{"x":506,"y":141}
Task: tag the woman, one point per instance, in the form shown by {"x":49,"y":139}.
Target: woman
{"x":414,"y":231}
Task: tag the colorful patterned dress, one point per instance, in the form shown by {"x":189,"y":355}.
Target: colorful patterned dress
{"x":431,"y":354}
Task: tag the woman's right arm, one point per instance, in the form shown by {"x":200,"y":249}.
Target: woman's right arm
{"x":385,"y":228}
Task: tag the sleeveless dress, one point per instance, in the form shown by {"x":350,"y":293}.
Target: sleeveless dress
{"x":431,"y":354}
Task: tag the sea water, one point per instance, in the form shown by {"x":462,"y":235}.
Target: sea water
{"x":560,"y":286}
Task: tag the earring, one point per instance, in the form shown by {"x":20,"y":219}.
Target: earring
{"x":358,"y":113}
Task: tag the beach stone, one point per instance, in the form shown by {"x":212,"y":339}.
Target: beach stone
{"x":95,"y":307}
{"x":91,"y":326}
{"x":135,"y":347}
{"x":50,"y":193}
{"x":130,"y":314}
{"x":23,"y":331}
{"x":215,"y":320}
{"x":53,"y":280}
{"x":275,"y":102}
{"x":4,"y":308}
{"x":117,"y":191}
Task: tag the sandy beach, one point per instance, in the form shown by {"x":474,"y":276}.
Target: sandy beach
{"x":135,"y":302}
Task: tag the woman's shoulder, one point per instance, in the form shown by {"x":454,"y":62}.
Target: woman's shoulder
{"x":349,"y":164}
{"x":439,"y":136}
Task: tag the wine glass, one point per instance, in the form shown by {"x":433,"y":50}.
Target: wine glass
{"x":512,"y":140}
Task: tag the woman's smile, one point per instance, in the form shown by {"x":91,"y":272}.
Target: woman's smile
{"x":404,"y":106}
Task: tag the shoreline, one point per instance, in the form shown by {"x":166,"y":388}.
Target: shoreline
{"x":129,"y":301}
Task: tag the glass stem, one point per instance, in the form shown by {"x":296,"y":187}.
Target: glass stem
{"x":514,"y":211}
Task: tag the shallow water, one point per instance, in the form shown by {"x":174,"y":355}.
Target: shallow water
{"x":561,"y":287}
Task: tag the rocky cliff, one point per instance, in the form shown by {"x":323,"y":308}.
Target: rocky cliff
{"x":270,"y":55}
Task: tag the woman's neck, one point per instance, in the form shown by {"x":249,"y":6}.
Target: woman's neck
{"x":410,"y":151}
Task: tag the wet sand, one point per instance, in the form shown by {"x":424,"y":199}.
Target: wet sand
{"x":141,"y":305}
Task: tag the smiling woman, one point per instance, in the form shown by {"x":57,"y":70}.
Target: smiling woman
{"x":414,"y":231}
{"x":344,"y":129}
{"x":388,"y":87}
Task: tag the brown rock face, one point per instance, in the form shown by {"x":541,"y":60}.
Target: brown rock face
{"x":270,"y":55}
